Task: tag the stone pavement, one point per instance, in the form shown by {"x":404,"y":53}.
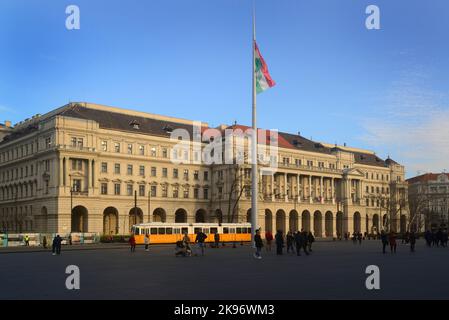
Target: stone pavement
{"x":335,"y":270}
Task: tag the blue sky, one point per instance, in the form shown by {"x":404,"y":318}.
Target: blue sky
{"x":336,"y":81}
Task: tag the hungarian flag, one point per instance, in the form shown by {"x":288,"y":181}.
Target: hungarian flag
{"x":262,"y":76}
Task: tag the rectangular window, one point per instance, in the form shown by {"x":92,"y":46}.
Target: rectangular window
{"x":186,"y":174}
{"x":76,"y":187}
{"x":206,"y":194}
{"x":104,"y":145}
{"x":186,"y":193}
{"x":196,"y":175}
{"x":196,"y":193}
{"x":153,"y":171}
{"x":47,"y":142}
{"x":129,"y":189}
{"x":164,"y":172}
{"x":297,"y":162}
{"x":142,"y":171}
{"x":104,"y":188}
{"x":47,"y":165}
{"x":117,"y":168}
{"x":164,"y":153}
{"x":153,"y":152}
{"x":175,"y":192}
{"x":80,"y":143}
{"x":310,"y":163}
{"x":117,"y":189}
{"x":153,"y":191}
{"x":164,"y":191}
{"x":141,"y":150}
{"x":129,"y":170}
{"x":80,"y":165}
{"x":141,"y":190}
{"x":104,"y":167}
{"x":175,"y":173}
{"x":73,"y":142}
{"x":130,"y":149}
{"x":206,"y":175}
{"x":117,"y":147}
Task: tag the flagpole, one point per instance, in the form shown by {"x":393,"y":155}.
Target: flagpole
{"x":254,"y":174}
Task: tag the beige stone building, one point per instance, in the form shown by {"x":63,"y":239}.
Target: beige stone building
{"x":429,"y":200}
{"x":92,"y":168}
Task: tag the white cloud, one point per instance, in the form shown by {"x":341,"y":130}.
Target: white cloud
{"x":412,"y":125}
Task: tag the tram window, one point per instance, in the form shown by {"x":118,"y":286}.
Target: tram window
{"x":244,"y":230}
{"x":225,"y":230}
{"x":169,"y":231}
{"x":214,"y":230}
{"x":249,"y":230}
{"x":161,"y":231}
{"x":206,"y":230}
{"x":196,"y":230}
{"x":153,"y":230}
{"x":176,"y":231}
{"x":136,"y":231}
{"x":232,"y":230}
{"x":185,"y":230}
{"x":239,"y":230}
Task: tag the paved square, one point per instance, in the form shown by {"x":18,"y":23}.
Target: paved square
{"x":335,"y":270}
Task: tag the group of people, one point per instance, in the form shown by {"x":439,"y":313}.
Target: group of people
{"x":436,"y":238}
{"x":296,"y":242}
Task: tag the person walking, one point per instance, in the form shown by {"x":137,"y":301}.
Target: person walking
{"x":132,"y":243}
{"x":259,"y":244}
{"x":359,"y":237}
{"x":384,"y":239}
{"x":147,"y":241}
{"x":392,"y":240}
{"x":56,"y":245}
{"x":299,"y":243}
{"x":290,"y":240}
{"x":310,"y":240}
{"x":279,"y":242}
{"x":44,"y":242}
{"x":412,"y":240}
{"x":428,"y":237}
{"x":269,"y":240}
{"x":27,"y":241}
{"x":217,"y":239}
{"x":200,"y":238}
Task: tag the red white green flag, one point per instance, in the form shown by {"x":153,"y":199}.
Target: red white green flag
{"x":262,"y":76}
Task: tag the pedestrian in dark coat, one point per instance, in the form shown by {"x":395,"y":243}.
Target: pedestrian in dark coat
{"x":392,"y":240}
{"x":359,"y":237}
{"x":384,"y":239}
{"x":56,"y":245}
{"x":217,"y":239}
{"x":290,"y":240}
{"x":259,"y":244}
{"x":412,"y":240}
{"x":44,"y":242}
{"x":279,"y":242}
{"x":298,"y":242}
{"x":310,"y":240}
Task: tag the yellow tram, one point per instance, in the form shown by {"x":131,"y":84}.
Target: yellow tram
{"x":172,"y":232}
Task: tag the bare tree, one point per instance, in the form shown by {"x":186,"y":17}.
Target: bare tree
{"x":237,"y":187}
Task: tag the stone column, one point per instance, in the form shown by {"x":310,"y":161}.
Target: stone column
{"x":89,"y":174}
{"x":310,"y":189}
{"x":321,"y":189}
{"x":272,"y":187}
{"x":285,"y":187}
{"x":298,"y":185}
{"x":333,"y":190}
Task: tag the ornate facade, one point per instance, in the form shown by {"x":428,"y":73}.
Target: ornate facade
{"x":92,"y":168}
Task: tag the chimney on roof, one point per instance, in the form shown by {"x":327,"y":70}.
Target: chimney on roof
{"x":8,"y":123}
{"x":344,"y":144}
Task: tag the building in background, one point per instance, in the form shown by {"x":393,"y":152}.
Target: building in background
{"x":429,"y":201}
{"x":92,"y":168}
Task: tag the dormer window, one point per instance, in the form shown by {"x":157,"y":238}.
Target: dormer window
{"x":134,"y":124}
{"x":168,"y":128}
